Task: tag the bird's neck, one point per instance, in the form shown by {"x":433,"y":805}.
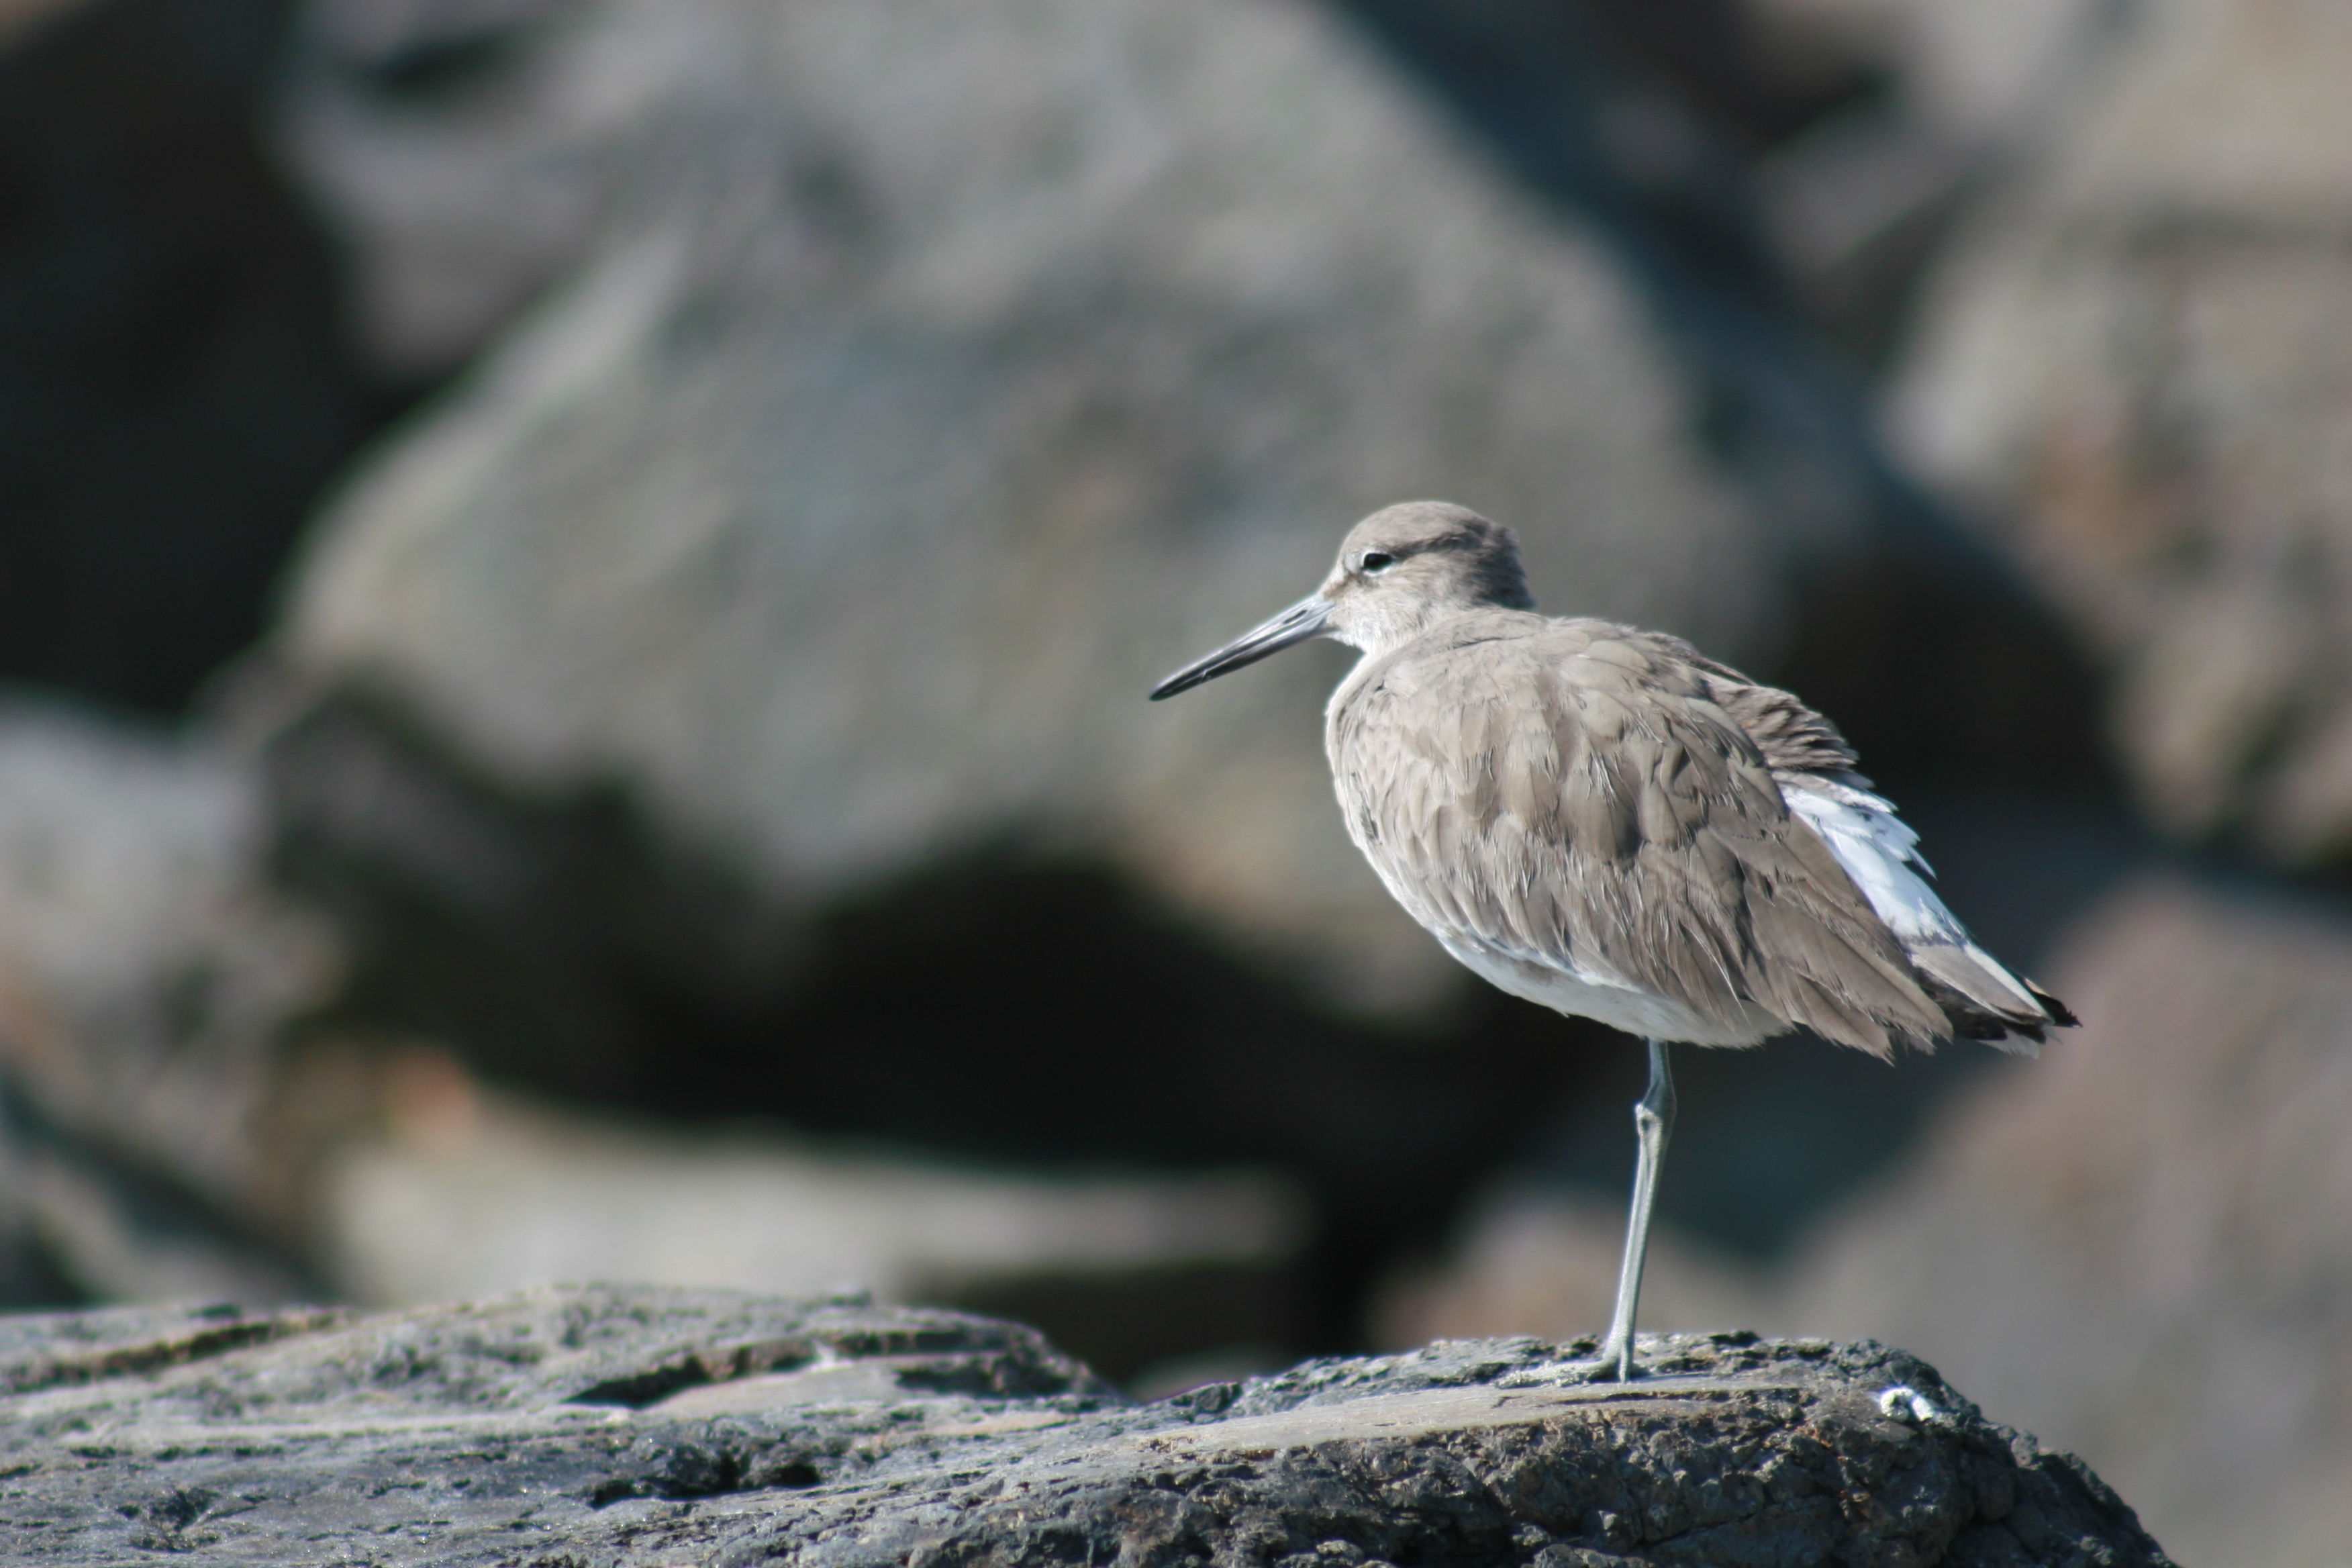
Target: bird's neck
{"x":1378,"y":653}
{"x":1383,"y":629}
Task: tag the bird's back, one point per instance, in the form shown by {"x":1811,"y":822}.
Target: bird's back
{"x":1602,"y":820}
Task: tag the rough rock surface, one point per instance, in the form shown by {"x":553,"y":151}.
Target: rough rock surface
{"x":602,"y":1425}
{"x":2135,"y":365}
{"x":933,"y":379}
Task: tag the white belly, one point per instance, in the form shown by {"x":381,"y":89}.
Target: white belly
{"x":1608,"y":1000}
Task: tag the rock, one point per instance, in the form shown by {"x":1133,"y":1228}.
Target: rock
{"x":596,"y":1426}
{"x":148,"y":981}
{"x":467,"y":151}
{"x":2132,"y":365}
{"x":1981,"y":73}
{"x":470,"y":1193}
{"x":1032,"y":1017}
{"x":1865,"y":203}
{"x":193,"y":1101}
{"x":909,"y":414}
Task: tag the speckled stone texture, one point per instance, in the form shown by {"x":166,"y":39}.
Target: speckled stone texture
{"x":584,"y":1427}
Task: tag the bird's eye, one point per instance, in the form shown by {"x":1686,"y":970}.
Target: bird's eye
{"x":1376,"y":561}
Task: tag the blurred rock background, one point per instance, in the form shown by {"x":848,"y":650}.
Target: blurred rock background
{"x":578,"y":574}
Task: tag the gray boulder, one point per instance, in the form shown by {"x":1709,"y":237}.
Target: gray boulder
{"x":149,"y":981}
{"x":929,"y":380}
{"x":2132,"y":365}
{"x":468,"y":1193}
{"x":1861,"y":204}
{"x":465,"y":149}
{"x":596,"y":1426}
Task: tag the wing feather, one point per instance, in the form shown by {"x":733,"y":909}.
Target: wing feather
{"x":1575,"y":794}
{"x":1815,"y":768}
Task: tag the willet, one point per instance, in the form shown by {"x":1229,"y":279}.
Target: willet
{"x":1605,"y":821}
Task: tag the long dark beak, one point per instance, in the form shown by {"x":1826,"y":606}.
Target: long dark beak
{"x":1310,"y":617}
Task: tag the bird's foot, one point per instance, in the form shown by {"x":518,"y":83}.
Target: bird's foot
{"x":1610,"y":1364}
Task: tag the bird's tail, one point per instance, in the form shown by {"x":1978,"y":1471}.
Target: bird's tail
{"x":1983,"y":999}
{"x":1878,"y":849}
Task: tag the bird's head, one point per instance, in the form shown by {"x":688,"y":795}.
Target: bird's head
{"x":1400,"y":571}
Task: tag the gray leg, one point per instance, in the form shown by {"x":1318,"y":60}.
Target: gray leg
{"x":1653,"y":1120}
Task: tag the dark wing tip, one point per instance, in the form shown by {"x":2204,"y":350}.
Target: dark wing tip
{"x":2060,"y":1014}
{"x":1973,"y":1020}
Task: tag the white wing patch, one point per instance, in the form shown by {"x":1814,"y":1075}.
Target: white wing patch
{"x":1881,"y":852}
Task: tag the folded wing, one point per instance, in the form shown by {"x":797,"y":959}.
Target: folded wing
{"x":1574,"y":795}
{"x":1814,"y":768}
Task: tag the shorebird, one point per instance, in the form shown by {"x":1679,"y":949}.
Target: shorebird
{"x":1607,"y":822}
